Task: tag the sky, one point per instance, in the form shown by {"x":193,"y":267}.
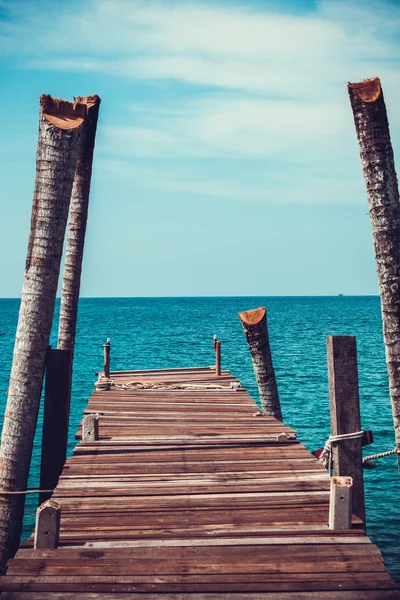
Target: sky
{"x":226,"y":160}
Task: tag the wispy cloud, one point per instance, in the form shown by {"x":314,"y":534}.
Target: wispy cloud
{"x":262,"y":82}
{"x":233,"y":46}
{"x":232,"y":127}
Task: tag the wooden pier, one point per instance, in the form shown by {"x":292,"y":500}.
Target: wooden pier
{"x":189,"y":492}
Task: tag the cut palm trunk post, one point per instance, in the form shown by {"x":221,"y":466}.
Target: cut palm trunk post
{"x":255,"y":327}
{"x":77,"y":227}
{"x":59,"y":139}
{"x":59,"y":361}
{"x":377,"y":160}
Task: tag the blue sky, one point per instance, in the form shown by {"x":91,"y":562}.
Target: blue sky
{"x":226,"y":160}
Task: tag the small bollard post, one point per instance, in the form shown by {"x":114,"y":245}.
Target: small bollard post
{"x":107,"y":347}
{"x":217,"y":347}
{"x":47,"y":530}
{"x":90,"y":428}
{"x":340,"y":503}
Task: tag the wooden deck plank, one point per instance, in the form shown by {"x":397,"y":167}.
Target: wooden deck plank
{"x":189,"y":495}
{"x":380,"y":594}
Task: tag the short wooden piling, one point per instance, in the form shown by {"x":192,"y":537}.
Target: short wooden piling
{"x":90,"y":428}
{"x":255,"y":328}
{"x":55,"y":419}
{"x":217,"y":345}
{"x":107,"y":347}
{"x":47,"y":530}
{"x":340,"y":504}
{"x":345,"y":414}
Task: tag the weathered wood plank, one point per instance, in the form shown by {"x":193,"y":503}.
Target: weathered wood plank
{"x":382,"y":594}
{"x":193,"y":497}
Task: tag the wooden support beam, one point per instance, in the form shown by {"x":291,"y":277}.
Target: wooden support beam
{"x":55,"y":419}
{"x":255,"y":328}
{"x":345,"y":414}
{"x":340,"y":505}
{"x":47,"y":530}
{"x":107,"y":347}
{"x":90,"y":428}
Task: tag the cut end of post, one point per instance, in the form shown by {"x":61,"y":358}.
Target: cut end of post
{"x":252,"y":317}
{"x":61,"y":113}
{"x":88,"y":101}
{"x":368,"y":90}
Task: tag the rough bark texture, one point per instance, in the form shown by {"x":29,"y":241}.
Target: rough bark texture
{"x":255,"y":327}
{"x":77,"y":227}
{"x":377,"y":159}
{"x":59,"y":137}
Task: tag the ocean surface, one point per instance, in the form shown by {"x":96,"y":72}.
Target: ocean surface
{"x":178,"y":332}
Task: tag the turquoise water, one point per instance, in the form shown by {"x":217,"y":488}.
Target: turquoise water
{"x":177,"y":332}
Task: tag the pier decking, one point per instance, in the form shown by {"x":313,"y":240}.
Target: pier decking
{"x":189,"y":494}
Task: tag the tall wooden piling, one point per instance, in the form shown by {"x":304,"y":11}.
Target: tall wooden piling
{"x":59,"y":138}
{"x":380,"y":177}
{"x":345,"y":414}
{"x":255,"y":327}
{"x":77,"y":226}
{"x":55,"y":426}
{"x":55,"y":419}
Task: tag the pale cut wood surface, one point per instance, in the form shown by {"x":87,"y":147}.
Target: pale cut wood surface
{"x":189,"y":495}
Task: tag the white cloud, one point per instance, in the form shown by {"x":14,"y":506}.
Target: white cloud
{"x":227,"y":46}
{"x":235,"y":128}
{"x":265,"y":82}
{"x":279,"y":185}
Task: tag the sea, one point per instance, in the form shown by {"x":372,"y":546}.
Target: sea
{"x":148,"y":333}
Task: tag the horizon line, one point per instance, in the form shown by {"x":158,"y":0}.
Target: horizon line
{"x":210,"y":296}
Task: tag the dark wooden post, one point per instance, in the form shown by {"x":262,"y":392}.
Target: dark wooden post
{"x":106,"y":347}
{"x":255,"y":327}
{"x":345,"y":414}
{"x":217,"y":345}
{"x":55,"y":419}
{"x":377,"y":160}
